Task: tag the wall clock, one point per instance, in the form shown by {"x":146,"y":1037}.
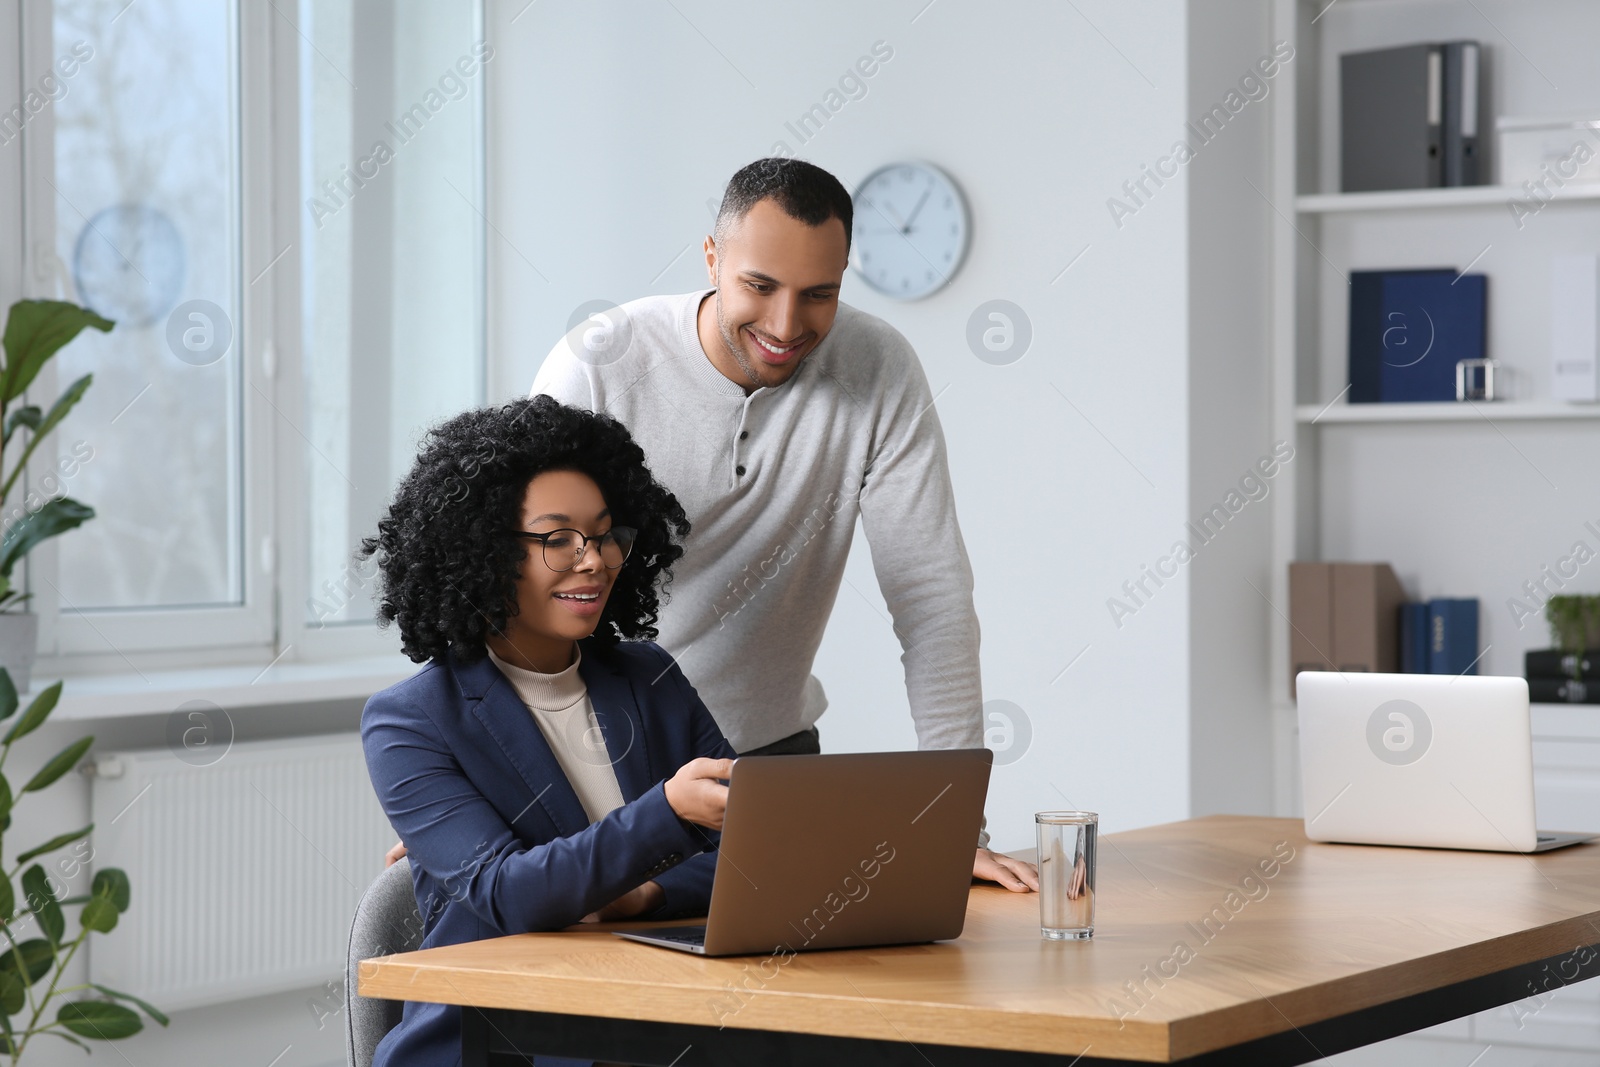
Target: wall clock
{"x":129,"y":264}
{"x":911,"y":230}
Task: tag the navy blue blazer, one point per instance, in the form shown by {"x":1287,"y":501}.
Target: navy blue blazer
{"x":498,"y":842}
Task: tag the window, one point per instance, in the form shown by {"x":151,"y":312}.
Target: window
{"x":392,"y":262}
{"x":294,"y":305}
{"x":146,"y":190}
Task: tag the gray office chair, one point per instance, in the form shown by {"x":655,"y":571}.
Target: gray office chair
{"x":387,"y":921}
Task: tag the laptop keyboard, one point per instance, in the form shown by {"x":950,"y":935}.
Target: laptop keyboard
{"x":681,"y":935}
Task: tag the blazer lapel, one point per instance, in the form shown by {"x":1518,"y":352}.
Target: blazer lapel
{"x":505,"y":718}
{"x":617,"y":713}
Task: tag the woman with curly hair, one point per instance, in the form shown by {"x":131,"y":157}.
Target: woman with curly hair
{"x":549,"y":763}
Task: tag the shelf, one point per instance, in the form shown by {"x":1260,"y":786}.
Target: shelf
{"x":1480,"y":411}
{"x":1464,"y":196}
{"x":110,"y":696}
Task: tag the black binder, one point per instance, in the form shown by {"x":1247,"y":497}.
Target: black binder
{"x":1462,"y":115}
{"x":1391,"y":118}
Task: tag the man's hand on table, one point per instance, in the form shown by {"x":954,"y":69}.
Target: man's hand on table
{"x":1019,"y":876}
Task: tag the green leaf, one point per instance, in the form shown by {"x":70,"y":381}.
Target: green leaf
{"x":112,"y":882}
{"x":8,"y":688}
{"x":42,"y":426}
{"x":6,"y":799}
{"x":37,"y":956}
{"x":35,"y":331}
{"x":64,"y":403}
{"x":68,"y":1037}
{"x":54,"y":518}
{"x":34,"y":717}
{"x":8,"y":898}
{"x":41,"y":900}
{"x":28,"y":416}
{"x":13,"y":994}
{"x":55,"y":843}
{"x":99,"y":1020}
{"x":99,"y":915}
{"x":59,"y":764}
{"x":131,"y":999}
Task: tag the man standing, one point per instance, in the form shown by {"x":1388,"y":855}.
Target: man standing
{"x":777,"y":416}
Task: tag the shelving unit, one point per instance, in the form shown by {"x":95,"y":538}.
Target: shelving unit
{"x":1463,"y":499}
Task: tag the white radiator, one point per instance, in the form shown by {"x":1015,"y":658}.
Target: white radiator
{"x":245,"y":873}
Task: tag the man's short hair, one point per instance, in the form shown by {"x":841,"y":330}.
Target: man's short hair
{"x":804,"y":191}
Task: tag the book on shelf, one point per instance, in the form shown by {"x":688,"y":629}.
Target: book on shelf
{"x":1575,"y":327}
{"x":1409,"y":329}
{"x":1410,"y":117}
{"x":1439,"y":636}
{"x":1563,"y":691}
{"x":1414,"y":637}
{"x":1453,"y":636}
{"x":1462,"y":97}
{"x":1554,"y":663}
{"x":1391,"y":118}
{"x":1342,"y":617}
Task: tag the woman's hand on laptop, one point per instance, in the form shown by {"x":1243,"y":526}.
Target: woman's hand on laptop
{"x":696,"y":792}
{"x":1019,"y":876}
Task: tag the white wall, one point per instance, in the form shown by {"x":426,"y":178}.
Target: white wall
{"x":611,"y":126}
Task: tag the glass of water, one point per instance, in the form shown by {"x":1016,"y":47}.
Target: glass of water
{"x":1066,"y":873}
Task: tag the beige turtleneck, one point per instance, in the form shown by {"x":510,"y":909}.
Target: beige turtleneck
{"x":560,"y":706}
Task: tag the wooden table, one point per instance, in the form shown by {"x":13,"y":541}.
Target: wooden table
{"x":1220,"y":940}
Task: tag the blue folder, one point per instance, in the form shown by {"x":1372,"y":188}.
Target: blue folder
{"x":1408,"y":328}
{"x":1453,"y":636}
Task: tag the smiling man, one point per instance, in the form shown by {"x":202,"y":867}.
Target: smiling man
{"x":778,"y":416}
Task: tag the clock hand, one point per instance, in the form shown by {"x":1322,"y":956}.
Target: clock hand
{"x":888,"y":212}
{"x":918,"y":208}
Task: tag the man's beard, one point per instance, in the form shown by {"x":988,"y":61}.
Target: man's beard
{"x":730,"y":341}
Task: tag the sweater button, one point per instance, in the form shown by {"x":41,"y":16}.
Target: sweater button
{"x":739,"y":470}
{"x":743,"y":434}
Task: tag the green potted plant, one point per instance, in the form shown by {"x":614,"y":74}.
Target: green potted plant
{"x":35,"y":331}
{"x":36,"y":950}
{"x":1574,"y":622}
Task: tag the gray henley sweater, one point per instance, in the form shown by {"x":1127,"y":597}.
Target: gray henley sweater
{"x":773,"y":483}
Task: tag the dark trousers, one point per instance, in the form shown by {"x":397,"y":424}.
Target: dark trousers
{"x":804,"y":743}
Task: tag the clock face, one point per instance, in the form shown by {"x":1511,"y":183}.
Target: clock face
{"x":129,"y":264}
{"x":910,"y":230}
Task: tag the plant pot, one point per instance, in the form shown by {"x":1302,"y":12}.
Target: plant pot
{"x":19,"y":644}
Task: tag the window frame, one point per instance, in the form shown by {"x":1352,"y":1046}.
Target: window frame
{"x":270,"y":625}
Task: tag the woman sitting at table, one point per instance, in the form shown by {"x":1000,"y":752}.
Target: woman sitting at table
{"x":549,"y":764}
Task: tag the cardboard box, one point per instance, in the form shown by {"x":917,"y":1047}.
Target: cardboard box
{"x":1343,"y":617}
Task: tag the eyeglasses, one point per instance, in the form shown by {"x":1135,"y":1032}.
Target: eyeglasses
{"x":564,"y":548}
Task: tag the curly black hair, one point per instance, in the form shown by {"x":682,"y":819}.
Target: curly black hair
{"x":448,"y":557}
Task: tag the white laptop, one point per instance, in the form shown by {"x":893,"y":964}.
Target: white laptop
{"x":1431,"y":760}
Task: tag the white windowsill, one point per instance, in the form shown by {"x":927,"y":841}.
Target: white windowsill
{"x":156,"y":692}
